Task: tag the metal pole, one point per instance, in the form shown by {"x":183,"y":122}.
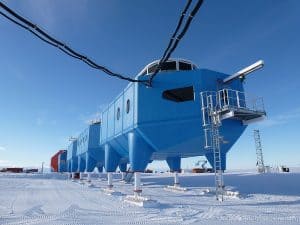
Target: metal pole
{"x":42,"y":170}
{"x":176,"y":179}
{"x":109,"y":180}
{"x":237,"y":99}
{"x":89,"y":177}
{"x":137,"y":184}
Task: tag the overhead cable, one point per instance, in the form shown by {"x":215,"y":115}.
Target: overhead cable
{"x":44,"y":36}
{"x":169,"y":50}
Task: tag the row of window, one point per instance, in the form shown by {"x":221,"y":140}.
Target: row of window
{"x":127,"y":109}
{"x":177,"y":95}
{"x":169,"y":66}
{"x":82,"y":140}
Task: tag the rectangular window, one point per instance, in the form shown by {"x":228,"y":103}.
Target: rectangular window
{"x":179,"y":94}
{"x":184,"y":66}
{"x":168,"y":66}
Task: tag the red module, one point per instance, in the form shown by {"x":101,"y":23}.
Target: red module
{"x":55,"y":161}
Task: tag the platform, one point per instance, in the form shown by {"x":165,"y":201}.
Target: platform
{"x":140,"y":201}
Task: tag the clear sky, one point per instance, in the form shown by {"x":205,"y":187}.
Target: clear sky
{"x":46,"y":96}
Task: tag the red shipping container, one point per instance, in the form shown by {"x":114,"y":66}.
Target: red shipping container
{"x":54,"y":161}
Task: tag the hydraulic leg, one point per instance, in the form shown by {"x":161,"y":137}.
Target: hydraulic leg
{"x":137,"y":184}
{"x":109,"y":180}
{"x":89,"y":177}
{"x":176,"y":179}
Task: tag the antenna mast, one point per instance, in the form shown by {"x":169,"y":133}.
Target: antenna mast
{"x":259,"y":154}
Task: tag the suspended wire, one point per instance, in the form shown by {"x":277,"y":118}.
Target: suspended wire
{"x":177,"y":28}
{"x":169,"y":50}
{"x":42,"y":35}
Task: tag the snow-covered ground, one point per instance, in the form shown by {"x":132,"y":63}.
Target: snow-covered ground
{"x":52,"y":199}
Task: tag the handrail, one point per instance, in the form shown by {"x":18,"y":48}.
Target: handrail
{"x":230,"y":99}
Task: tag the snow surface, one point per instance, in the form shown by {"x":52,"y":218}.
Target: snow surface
{"x":53,"y":199}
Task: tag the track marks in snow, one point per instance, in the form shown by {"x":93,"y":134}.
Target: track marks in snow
{"x":61,"y":202}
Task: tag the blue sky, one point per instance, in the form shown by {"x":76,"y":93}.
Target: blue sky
{"x":46,"y":96}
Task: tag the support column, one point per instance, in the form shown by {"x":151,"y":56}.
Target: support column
{"x":73,"y":175}
{"x":176,"y":179}
{"x":89,"y":177}
{"x":137,"y":184}
{"x":109,"y":180}
{"x":122,"y":175}
{"x":81,"y":176}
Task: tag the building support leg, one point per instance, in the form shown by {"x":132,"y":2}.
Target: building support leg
{"x":109,"y":190}
{"x":137,"y":198}
{"x":109,"y":180}
{"x":89,"y":180}
{"x":176,"y":187}
{"x":137,"y":184}
{"x":176,"y":179}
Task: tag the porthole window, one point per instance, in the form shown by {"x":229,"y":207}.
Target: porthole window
{"x":127,"y":106}
{"x":118,"y":113}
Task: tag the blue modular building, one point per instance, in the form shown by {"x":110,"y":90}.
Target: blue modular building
{"x":169,"y":120}
{"x":89,"y":153}
{"x":62,"y":161}
{"x":72,"y":160}
{"x":164,"y":122}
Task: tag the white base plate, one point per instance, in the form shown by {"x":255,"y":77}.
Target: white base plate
{"x":206,"y":191}
{"x":232,"y":194}
{"x":110,"y":191}
{"x":226,"y":193}
{"x":175,"y":188}
{"x":140,"y":201}
{"x":89,"y":184}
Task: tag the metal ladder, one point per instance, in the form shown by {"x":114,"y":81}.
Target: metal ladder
{"x":211,"y":124}
{"x":259,"y":154}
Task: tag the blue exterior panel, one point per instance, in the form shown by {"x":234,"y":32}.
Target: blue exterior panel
{"x":62,"y":162}
{"x":72,"y":159}
{"x":140,"y":125}
{"x":89,"y":153}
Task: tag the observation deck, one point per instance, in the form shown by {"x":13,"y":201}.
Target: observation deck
{"x":231,"y":104}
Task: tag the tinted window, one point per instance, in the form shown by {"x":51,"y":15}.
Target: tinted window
{"x":152,"y":68}
{"x":168,"y":66}
{"x":144,"y":72}
{"x":180,"y":94}
{"x":184,"y":66}
{"x":118,"y":113}
{"x":127,"y":106}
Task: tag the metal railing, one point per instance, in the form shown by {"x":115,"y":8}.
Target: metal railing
{"x":228,"y":99}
